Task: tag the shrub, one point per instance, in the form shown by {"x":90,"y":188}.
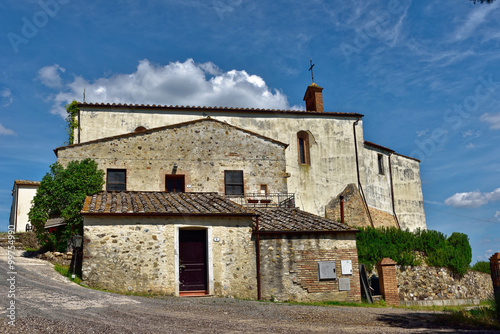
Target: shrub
{"x":482,"y":266}
{"x":375,"y":244}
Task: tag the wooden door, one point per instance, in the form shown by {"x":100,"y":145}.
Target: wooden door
{"x":192,"y":260}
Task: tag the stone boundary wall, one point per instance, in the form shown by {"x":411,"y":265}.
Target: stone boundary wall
{"x":438,"y":286}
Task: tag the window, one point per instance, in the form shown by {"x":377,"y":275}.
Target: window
{"x":381,"y":164}
{"x":233,"y":182}
{"x":303,"y":147}
{"x":174,"y":183}
{"x":263,"y":189}
{"x":116,"y":180}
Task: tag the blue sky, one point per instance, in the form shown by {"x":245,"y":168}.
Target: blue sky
{"x":425,"y":74}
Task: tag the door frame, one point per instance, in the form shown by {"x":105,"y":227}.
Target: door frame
{"x":210,"y":280}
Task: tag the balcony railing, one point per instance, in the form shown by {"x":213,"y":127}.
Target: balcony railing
{"x":275,"y":200}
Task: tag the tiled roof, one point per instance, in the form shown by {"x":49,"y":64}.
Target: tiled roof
{"x":216,"y":109}
{"x":380,"y":147}
{"x":27,"y":183}
{"x":295,"y":220}
{"x":160,"y":203}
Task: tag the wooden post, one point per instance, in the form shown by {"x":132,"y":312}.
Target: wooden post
{"x":495,"y":276}
{"x":388,"y":281}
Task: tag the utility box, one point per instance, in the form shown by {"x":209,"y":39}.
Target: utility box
{"x":346,"y":267}
{"x":326,"y":270}
{"x":344,"y":284}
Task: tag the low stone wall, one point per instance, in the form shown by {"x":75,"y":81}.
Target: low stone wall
{"x":438,"y":286}
{"x":56,"y":257}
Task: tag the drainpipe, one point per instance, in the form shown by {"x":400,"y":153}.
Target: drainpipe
{"x":357,"y":170}
{"x":392,"y":193}
{"x":342,"y":209}
{"x":257,"y":254}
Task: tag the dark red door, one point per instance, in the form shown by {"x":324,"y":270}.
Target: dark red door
{"x":192,"y":260}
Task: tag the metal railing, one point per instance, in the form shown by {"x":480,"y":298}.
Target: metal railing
{"x":274,"y":200}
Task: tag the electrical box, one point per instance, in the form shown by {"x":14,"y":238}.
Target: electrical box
{"x":344,"y":284}
{"x":326,"y":270}
{"x":346,"y":267}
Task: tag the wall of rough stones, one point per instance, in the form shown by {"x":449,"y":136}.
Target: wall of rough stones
{"x":429,"y":285}
{"x":202,"y":151}
{"x":138,"y":254}
{"x":290,"y":271}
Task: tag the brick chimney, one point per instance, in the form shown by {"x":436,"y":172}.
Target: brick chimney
{"x":314,"y":98}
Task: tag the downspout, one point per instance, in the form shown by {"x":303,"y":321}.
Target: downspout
{"x":357,"y":170}
{"x":392,"y":193}
{"x":257,"y":254}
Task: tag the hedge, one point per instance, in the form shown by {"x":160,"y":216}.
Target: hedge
{"x":453,"y":252}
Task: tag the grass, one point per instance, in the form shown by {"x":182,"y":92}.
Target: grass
{"x":483,"y":317}
{"x":64,"y":270}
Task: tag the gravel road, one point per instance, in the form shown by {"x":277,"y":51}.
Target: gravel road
{"x":46,"y":302}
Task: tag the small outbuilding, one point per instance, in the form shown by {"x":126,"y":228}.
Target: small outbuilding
{"x":205,"y":244}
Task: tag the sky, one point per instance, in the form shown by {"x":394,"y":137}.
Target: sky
{"x":425,"y":74}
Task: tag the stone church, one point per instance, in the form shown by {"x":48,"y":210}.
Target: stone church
{"x":236,"y":202}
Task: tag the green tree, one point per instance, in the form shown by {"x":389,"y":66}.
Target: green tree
{"x":71,"y":120}
{"x":62,"y":194}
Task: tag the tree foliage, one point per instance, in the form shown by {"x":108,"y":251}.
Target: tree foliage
{"x":482,"y":266}
{"x":401,"y":246}
{"x":62,"y":194}
{"x":71,"y":120}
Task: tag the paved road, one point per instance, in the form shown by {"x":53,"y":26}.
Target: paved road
{"x":46,"y":302}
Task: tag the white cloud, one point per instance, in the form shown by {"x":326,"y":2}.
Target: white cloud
{"x":471,"y":133}
{"x":497,"y":215}
{"x":493,"y":119}
{"x":473,"y":199}
{"x":50,"y":77}
{"x":6,"y":97}
{"x":177,"y":83}
{"x":470,"y":146}
{"x":5,"y":131}
{"x":474,"y":20}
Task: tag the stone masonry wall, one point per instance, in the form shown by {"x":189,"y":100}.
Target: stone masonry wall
{"x":430,"y":284}
{"x":138,"y":254}
{"x":289,"y":267}
{"x":202,"y":151}
{"x":355,"y":213}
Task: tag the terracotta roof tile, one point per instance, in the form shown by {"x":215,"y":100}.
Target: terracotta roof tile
{"x":158,"y":203}
{"x":27,"y":183}
{"x":295,"y":220}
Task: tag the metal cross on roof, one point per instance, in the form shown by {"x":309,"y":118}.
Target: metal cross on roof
{"x":311,"y":69}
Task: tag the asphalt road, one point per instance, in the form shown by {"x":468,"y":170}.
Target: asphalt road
{"x":46,"y":302}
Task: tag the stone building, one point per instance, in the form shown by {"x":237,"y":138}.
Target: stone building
{"x":22,"y":195}
{"x":236,"y":202}
{"x":326,"y":152}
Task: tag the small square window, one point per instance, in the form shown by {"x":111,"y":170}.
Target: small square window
{"x":174,"y":183}
{"x":233,"y":182}
{"x":116,"y":180}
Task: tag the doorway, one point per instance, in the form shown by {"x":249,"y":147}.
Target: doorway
{"x":192,"y":262}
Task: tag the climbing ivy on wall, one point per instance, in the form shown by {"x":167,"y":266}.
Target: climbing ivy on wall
{"x":71,"y":120}
{"x":453,"y":252}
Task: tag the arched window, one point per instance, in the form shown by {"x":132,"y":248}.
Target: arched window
{"x":303,"y":148}
{"x":140,"y":129}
